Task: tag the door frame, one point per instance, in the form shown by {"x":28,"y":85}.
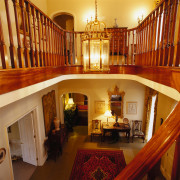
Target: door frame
{"x":34,"y":112}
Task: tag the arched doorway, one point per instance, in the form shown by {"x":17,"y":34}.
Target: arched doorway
{"x":65,"y":20}
{"x":75,"y":106}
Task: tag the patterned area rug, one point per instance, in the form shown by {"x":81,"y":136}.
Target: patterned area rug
{"x":97,"y":164}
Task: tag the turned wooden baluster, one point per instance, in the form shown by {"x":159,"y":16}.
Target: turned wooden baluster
{"x":176,"y":60}
{"x":112,"y":48}
{"x":137,"y":47}
{"x":166,"y":35}
{"x":172,"y":31}
{"x":158,"y":38}
{"x":155,"y":37}
{"x":12,"y":48}
{"x":58,"y":46}
{"x":54,"y":44}
{"x":35,"y":37}
{"x":132,"y":60}
{"x":75,"y":47}
{"x":57,"y":43}
{"x":47,"y":39}
{"x":24,"y":23}
{"x":161,"y":53}
{"x":70,"y":46}
{"x":61,"y":48}
{"x":124,"y":46}
{"x":152,"y":38}
{"x":43,"y":38}
{"x":146,"y":43}
{"x":66,"y":52}
{"x":118,"y":47}
{"x":39,"y":36}
{"x":28,"y":9}
{"x":3,"y":50}
{"x":140,"y":47}
{"x":148,"y":40}
{"x":51,"y":44}
{"x":128,"y":48}
{"x":81,"y":49}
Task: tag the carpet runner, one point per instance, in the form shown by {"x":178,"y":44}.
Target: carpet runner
{"x":97,"y":164}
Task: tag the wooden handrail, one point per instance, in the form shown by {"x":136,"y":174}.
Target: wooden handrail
{"x":157,"y":39}
{"x":154,"y":149}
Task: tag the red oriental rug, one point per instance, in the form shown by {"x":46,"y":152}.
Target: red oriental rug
{"x":97,"y":164}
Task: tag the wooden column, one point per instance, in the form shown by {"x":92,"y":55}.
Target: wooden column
{"x":3,"y":51}
{"x":12,"y":48}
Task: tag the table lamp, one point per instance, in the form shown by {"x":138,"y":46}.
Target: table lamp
{"x":108,"y":114}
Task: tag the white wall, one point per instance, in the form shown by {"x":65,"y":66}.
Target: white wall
{"x":96,"y":90}
{"x":13,"y":112}
{"x":126,"y":11}
{"x":41,"y":4}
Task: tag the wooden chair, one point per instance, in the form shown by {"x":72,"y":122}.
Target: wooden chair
{"x":137,"y":129}
{"x":126,"y":120}
{"x":96,"y":129}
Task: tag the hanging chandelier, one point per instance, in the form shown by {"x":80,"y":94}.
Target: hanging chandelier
{"x":96,"y":45}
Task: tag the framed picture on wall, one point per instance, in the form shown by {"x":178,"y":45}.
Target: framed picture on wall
{"x":131,"y":107}
{"x":99,"y":107}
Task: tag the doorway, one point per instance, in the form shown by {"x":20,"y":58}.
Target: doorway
{"x":66,"y":21}
{"x":75,"y":106}
{"x":22,"y":143}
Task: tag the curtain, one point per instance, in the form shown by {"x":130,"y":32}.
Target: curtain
{"x":147,"y":109}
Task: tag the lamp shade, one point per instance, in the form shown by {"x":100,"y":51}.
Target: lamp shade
{"x":70,"y":101}
{"x":108,"y":113}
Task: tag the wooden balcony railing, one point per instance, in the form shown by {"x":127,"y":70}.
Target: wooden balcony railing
{"x":35,"y":49}
{"x":40,"y":42}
